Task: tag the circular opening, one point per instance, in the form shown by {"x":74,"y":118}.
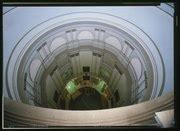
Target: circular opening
{"x":89,"y":51}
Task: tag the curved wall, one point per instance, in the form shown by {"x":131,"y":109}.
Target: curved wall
{"x":142,"y":114}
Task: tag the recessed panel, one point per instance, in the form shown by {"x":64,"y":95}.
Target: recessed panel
{"x":35,"y":64}
{"x":137,"y":66}
{"x":114,"y":42}
{"x":57,"y":43}
{"x":85,"y":35}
